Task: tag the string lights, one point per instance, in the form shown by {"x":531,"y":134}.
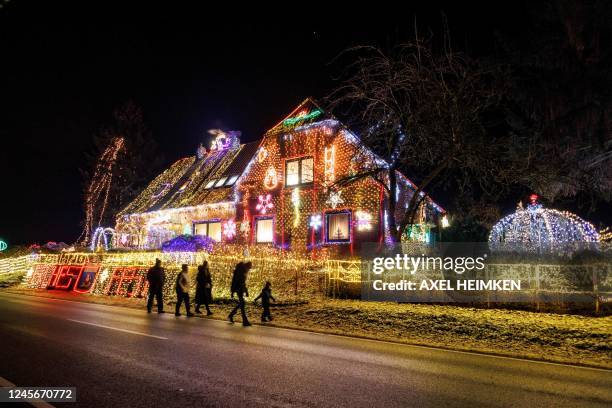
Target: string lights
{"x":96,"y":195}
{"x":313,"y":148}
{"x":541,"y":230}
{"x":264,"y":203}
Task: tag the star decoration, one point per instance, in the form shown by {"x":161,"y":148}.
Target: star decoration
{"x":335,"y":198}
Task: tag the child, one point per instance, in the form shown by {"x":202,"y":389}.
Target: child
{"x":266,"y":295}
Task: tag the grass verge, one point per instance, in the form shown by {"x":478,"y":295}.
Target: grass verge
{"x":571,"y":339}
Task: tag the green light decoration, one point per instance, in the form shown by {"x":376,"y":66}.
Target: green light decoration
{"x":3,"y":245}
{"x":302,"y":118}
{"x":417,"y":233}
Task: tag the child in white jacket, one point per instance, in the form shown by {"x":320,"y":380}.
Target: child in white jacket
{"x":182,"y":291}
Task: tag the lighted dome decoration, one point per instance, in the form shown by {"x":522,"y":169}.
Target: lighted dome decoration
{"x":541,"y":230}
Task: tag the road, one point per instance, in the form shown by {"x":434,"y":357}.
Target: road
{"x":120,"y":357}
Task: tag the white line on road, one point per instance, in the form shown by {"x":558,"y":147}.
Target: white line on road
{"x":421,"y":346}
{"x":118,"y":329}
{"x":38,"y":404}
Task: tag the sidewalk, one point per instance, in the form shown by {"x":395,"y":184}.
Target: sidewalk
{"x":571,"y":339}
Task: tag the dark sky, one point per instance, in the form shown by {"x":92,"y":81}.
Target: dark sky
{"x":65,"y":67}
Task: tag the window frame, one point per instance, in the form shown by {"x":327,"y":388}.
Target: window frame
{"x":208,"y":222}
{"x":256,"y":222}
{"x":300,"y":161}
{"x":350,"y":227}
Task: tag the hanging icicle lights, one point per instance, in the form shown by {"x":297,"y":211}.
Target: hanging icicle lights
{"x":540,"y":230}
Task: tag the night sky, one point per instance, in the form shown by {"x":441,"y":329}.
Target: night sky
{"x":65,"y":68}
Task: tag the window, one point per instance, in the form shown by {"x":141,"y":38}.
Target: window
{"x":299,"y":171}
{"x":210,"y":229}
{"x":338,"y":227}
{"x":210,"y":184}
{"x":220,"y":182}
{"x":264,"y":230}
{"x":231,"y":181}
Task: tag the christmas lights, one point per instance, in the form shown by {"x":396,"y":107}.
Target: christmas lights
{"x":335,"y":198}
{"x":270,"y":179}
{"x":315,"y":222}
{"x":262,"y":154}
{"x":330,"y":161}
{"x":270,"y":190}
{"x":264,"y":203}
{"x":101,"y":236}
{"x":536,"y":229}
{"x":96,"y":196}
{"x":295,"y":199}
{"x":364,"y":220}
{"x":229,"y":229}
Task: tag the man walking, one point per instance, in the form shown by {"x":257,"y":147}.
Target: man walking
{"x":239,"y":287}
{"x":156,"y":277}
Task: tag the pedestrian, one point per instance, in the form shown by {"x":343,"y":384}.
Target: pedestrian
{"x":239,"y":287}
{"x":265,"y":296}
{"x":156,"y":277}
{"x":182,"y":291}
{"x":203,"y":288}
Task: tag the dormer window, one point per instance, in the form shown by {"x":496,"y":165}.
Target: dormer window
{"x":220,"y":182}
{"x":231,"y":181}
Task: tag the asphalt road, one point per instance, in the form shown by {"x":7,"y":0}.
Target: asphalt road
{"x":119,"y":357}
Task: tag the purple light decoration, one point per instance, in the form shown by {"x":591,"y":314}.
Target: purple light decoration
{"x":189,"y":243}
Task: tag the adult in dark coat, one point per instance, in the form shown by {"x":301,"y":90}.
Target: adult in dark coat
{"x":156,"y":278}
{"x":239,"y":287}
{"x":203,"y":288}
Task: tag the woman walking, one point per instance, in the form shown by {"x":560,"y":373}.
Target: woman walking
{"x":203,"y":288}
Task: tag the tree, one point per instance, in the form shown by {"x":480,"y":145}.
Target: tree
{"x":427,"y":113}
{"x":560,"y":96}
{"x":124,"y":159}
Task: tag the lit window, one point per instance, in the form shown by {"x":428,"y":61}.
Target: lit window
{"x":299,"y":171}
{"x":264,"y":230}
{"x":210,"y":184}
{"x":293,"y":173}
{"x":338,"y":227}
{"x":231,"y":181}
{"x":221,"y":181}
{"x":208,"y":229}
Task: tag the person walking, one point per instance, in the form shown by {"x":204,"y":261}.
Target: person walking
{"x":265,"y":296}
{"x":182,"y":291}
{"x":203,"y":288}
{"x":239,"y":287}
{"x":156,"y":277}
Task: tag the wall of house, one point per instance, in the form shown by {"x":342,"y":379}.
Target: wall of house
{"x":303,"y":213}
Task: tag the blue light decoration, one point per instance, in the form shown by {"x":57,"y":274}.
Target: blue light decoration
{"x":3,"y":246}
{"x":536,"y":229}
{"x":188,"y":243}
{"x":100,"y":239}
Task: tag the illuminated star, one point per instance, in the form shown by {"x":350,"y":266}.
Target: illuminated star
{"x":335,"y":198}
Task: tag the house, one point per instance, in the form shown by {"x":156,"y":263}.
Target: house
{"x":280,"y":191}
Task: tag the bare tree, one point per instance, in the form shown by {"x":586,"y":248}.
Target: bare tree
{"x":425,"y":113}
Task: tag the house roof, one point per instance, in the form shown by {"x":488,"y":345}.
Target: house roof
{"x":210,"y":179}
{"x":194,"y":181}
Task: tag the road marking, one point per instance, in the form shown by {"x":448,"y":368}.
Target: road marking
{"x":441,"y":349}
{"x":118,"y":329}
{"x":38,"y":404}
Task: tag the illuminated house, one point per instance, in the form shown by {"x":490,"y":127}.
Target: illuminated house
{"x":279,"y":191}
